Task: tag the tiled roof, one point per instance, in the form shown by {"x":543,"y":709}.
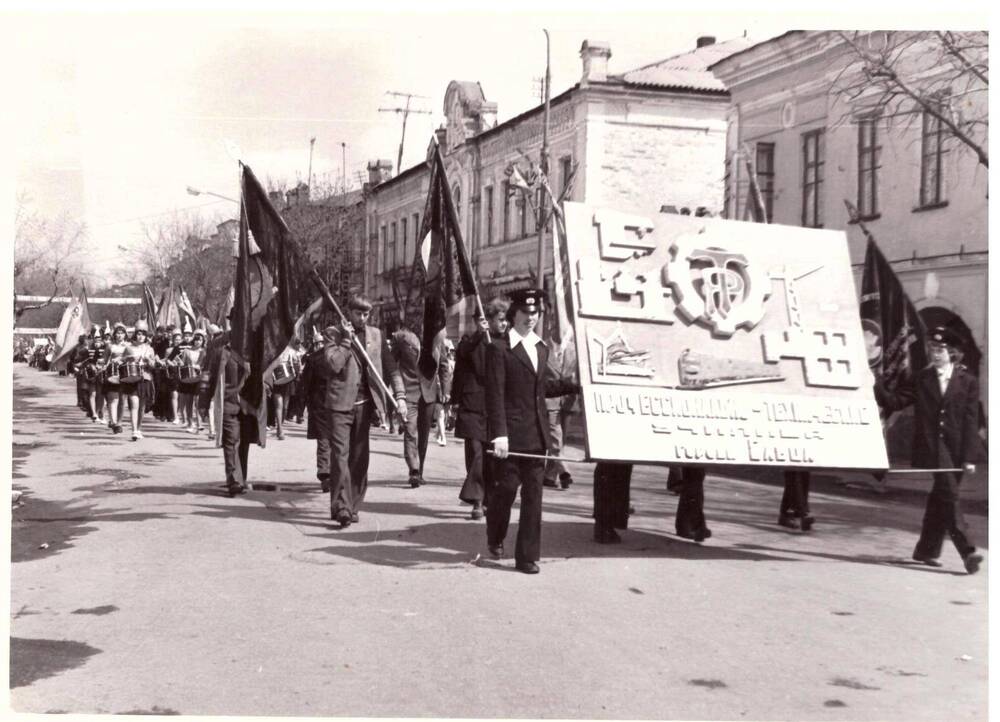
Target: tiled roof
{"x":687,"y":71}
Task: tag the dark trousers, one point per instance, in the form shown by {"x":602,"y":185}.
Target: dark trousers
{"x":691,"y":505}
{"x":237,"y":430}
{"x":943,"y":515}
{"x":416,"y":433}
{"x":320,"y":421}
{"x":795,"y":499}
{"x":349,"y":457}
{"x":478,"y":473}
{"x":612,"y":485}
{"x":510,"y":474}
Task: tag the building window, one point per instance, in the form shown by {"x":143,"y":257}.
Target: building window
{"x":384,"y":256}
{"x":869,"y":161}
{"x":812,"y":179}
{"x":764,"y":168}
{"x":416,"y":233}
{"x":932,"y":152}
{"x":475,"y":223}
{"x":565,"y":170}
{"x":506,"y":211}
{"x":489,"y":215}
{"x":522,"y":215}
{"x":405,"y":250}
{"x":391,"y":257}
{"x":456,"y":196}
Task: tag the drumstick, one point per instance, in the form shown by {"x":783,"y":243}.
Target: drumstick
{"x":542,"y":456}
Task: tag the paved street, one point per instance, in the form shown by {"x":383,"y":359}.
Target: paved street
{"x":138,"y":586}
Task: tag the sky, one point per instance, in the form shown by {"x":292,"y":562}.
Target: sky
{"x":119,"y":112}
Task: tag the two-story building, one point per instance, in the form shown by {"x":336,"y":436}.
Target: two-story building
{"x":646,"y":138}
{"x":917,"y":190}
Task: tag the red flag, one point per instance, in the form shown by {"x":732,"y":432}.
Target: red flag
{"x":449,"y":278}
{"x":268,"y":292}
{"x":893,"y":330}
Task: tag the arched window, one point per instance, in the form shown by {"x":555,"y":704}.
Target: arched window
{"x":456,"y":194}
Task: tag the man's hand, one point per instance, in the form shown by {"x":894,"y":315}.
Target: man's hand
{"x":501,"y":448}
{"x":484,"y":325}
{"x":401,"y":408}
{"x":969,"y":468}
{"x":347,"y":328}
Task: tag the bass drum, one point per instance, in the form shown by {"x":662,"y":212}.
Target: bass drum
{"x":131,"y":372}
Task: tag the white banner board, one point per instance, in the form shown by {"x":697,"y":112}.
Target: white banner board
{"x":708,"y":341}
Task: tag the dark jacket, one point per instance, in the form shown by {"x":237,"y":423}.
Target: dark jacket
{"x":515,"y":395}
{"x":952,"y":418}
{"x":468,"y":388}
{"x":344,"y":367}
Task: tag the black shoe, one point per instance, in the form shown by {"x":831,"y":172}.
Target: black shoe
{"x":354,"y":517}
{"x":702,"y":534}
{"x":552,"y":484}
{"x":324,"y":482}
{"x":566,"y":479}
{"x":807,"y":522}
{"x":606,"y":536}
{"x":415,"y":480}
{"x":496,"y":550}
{"x":929,"y":561}
{"x":788,"y":521}
{"x":972,"y":562}
{"x":236,"y":489}
{"x":342,"y":517}
{"x":527,"y":567}
{"x":477,"y":513}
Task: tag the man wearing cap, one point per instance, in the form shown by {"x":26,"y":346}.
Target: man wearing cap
{"x":945,"y":398}
{"x":518,"y":380}
{"x":468,"y":391}
{"x":353,"y":397}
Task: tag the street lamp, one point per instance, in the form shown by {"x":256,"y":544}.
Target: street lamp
{"x":197,"y":192}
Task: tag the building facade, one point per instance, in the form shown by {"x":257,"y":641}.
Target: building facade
{"x":919,"y":192}
{"x":634,"y":141}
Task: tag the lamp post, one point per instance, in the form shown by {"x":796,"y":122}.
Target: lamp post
{"x":198,"y":192}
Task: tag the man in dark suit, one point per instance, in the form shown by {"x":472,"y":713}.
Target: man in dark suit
{"x":468,"y":391}
{"x":518,"y":379}
{"x":352,"y":397}
{"x":945,"y":398}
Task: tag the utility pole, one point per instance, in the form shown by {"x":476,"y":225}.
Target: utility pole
{"x":406,"y":112}
{"x":543,"y":164}
{"x":540,"y":89}
{"x":312,"y":142}
{"x":343,"y":168}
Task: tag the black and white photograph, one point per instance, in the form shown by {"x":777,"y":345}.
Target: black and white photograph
{"x":520,"y":361}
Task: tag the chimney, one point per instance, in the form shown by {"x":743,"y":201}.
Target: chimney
{"x":595,"y":54}
{"x":379,"y":171}
{"x":705,"y":40}
{"x":277,"y":198}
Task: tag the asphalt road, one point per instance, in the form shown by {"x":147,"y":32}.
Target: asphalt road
{"x":137,"y":586}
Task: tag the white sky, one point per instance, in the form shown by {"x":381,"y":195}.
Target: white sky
{"x":119,"y":112}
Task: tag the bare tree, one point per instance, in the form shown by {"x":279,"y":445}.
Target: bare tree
{"x":47,"y":254}
{"x":904,"y":74}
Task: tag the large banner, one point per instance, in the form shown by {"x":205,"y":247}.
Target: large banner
{"x":707,"y":341}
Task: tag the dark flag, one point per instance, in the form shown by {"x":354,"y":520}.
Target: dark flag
{"x":894,"y":332}
{"x":450,"y":285}
{"x":269,"y":291}
{"x":148,"y":307}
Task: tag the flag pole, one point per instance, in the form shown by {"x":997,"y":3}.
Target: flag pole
{"x":453,"y":217}
{"x":328,"y":297}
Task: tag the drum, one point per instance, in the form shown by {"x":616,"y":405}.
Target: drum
{"x":112,"y":373}
{"x":283,"y":373}
{"x":189,"y":374}
{"x":173,"y":372}
{"x":89,"y":372}
{"x":131,"y":372}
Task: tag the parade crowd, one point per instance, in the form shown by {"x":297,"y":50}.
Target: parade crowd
{"x":510,"y":395}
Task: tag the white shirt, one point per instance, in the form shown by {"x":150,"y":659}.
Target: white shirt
{"x":944,"y":376}
{"x":528,"y":342}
